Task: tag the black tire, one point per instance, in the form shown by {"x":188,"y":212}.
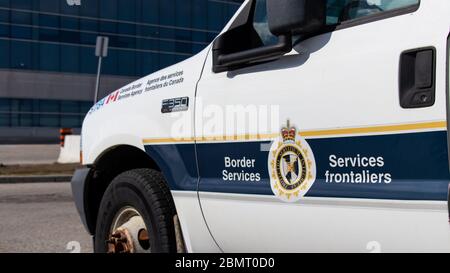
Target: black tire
{"x":146,"y":191}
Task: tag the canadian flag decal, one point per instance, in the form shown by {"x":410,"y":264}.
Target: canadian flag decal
{"x":113,"y":97}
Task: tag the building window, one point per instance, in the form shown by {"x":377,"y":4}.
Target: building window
{"x":145,"y":35}
{"x":42,"y":113}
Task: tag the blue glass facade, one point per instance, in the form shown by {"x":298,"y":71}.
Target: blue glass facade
{"x":42,"y":113}
{"x":52,"y":36}
{"x":145,"y":35}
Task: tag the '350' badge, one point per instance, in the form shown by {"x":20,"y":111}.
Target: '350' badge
{"x":292,"y":166}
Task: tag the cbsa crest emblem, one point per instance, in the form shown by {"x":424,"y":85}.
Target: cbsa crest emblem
{"x":292,"y":166}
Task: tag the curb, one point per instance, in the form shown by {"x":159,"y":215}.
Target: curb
{"x":35,"y":179}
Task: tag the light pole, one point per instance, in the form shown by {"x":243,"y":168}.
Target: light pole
{"x":101,"y":51}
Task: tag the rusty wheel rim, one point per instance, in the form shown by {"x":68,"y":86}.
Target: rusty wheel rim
{"x":128,"y":233}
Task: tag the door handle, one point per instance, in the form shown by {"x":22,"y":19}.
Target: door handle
{"x":418,"y":78}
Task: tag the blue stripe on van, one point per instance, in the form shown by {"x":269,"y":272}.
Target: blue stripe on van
{"x":417,"y":162}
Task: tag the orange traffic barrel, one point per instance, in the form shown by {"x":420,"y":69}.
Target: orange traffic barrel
{"x":63,"y":132}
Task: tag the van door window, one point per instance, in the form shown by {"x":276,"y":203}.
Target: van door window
{"x":251,"y":29}
{"x":339,"y":11}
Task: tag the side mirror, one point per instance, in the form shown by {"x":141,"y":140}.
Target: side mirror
{"x":285,"y":19}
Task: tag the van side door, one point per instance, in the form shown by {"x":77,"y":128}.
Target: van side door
{"x":332,"y":147}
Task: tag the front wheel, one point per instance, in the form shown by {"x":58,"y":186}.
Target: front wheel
{"x":136,"y":215}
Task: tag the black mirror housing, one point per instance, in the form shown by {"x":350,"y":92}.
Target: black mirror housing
{"x":285,"y":18}
{"x":296,"y":16}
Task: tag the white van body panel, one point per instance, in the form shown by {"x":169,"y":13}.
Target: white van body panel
{"x":326,"y":224}
{"x":130,"y":120}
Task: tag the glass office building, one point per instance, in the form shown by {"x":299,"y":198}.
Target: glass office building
{"x":47,"y":60}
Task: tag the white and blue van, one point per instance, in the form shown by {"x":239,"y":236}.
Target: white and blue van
{"x":306,"y":126}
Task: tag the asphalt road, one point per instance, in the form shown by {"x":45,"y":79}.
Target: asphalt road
{"x":40,"y":218}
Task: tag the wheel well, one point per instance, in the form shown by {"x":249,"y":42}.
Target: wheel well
{"x":113,"y":162}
